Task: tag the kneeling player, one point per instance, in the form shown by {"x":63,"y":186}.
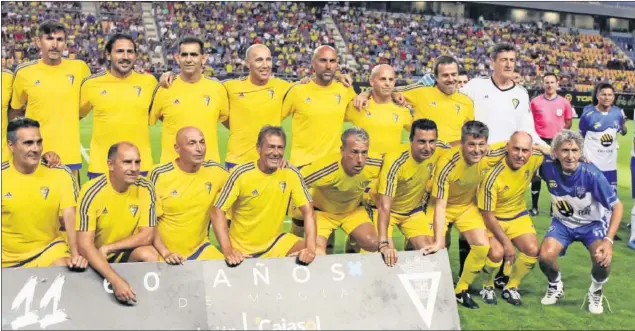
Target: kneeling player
{"x":32,"y":197}
{"x":501,"y":199}
{"x":581,"y":196}
{"x":116,"y":218}
{"x":338,"y":182}
{"x":258,"y":193}
{"x":400,"y":192}
{"x":186,"y":189}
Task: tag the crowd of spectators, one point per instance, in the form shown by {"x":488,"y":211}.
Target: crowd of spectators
{"x":292,"y":30}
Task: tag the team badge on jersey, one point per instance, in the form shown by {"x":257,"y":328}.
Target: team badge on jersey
{"x":283,"y":186}
{"x":458,"y":108}
{"x":208,"y":185}
{"x":44,"y":191}
{"x":271,"y":93}
{"x":430,"y":167}
{"x":103,"y":92}
{"x":559,"y":112}
{"x":564,"y":208}
{"x":515,"y":102}
{"x":174,"y":193}
{"x":338,"y":98}
{"x":206,"y":99}
{"x":580,"y":191}
{"x":71,"y":78}
{"x":597,"y":125}
{"x":395,"y":117}
{"x":606,"y":140}
{"x":526,"y":174}
{"x":138,"y":89}
{"x":133,"y":210}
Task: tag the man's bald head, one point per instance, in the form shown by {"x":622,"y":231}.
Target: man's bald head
{"x":381,"y":69}
{"x":519,"y":149}
{"x":256,"y":49}
{"x":120,"y":146}
{"x":321,"y":50}
{"x":187,"y":133}
{"x":190,"y":146}
{"x":382,"y":80}
{"x":521,"y":137}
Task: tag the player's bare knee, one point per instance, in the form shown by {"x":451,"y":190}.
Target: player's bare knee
{"x":368,"y":242}
{"x":496,"y":253}
{"x":531,"y":250}
{"x":145,"y":254}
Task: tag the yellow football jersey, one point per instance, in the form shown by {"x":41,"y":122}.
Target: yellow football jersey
{"x":258,"y":204}
{"x":112,"y":215}
{"x":318,"y":117}
{"x":7,"y":89}
{"x":51,"y":96}
{"x":383,"y":122}
{"x":449,"y":112}
{"x":183,"y":203}
{"x":332,"y":189}
{"x":250,"y":108}
{"x":120,"y":113}
{"x":30,"y":209}
{"x":503,"y":189}
{"x":455,"y":181}
{"x":202,"y":104}
{"x":404,"y":179}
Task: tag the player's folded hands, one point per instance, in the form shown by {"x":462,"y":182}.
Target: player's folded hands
{"x":77,"y":262}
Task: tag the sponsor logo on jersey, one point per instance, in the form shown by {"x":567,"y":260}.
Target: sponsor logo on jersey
{"x":552,"y":184}
{"x":208,"y":185}
{"x":177,"y":102}
{"x":564,"y":208}
{"x":103,"y":92}
{"x":206,"y":100}
{"x":174,"y":193}
{"x":44,"y":191}
{"x":138,"y":89}
{"x":8,"y":195}
{"x":133,"y":210}
{"x":515,"y":102}
{"x":606,"y":140}
{"x":254,"y":193}
{"x":283,"y":186}
{"x":580,"y":191}
{"x":433,"y":104}
{"x":37,"y":83}
{"x":307,"y":100}
{"x":105,"y":211}
{"x":241,"y":95}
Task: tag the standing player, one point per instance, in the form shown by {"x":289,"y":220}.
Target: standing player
{"x":116,"y":218}
{"x":192,"y":100}
{"x":501,"y":199}
{"x":186,"y":190}
{"x":462,"y":78}
{"x":599,"y":125}
{"x":47,"y":90}
{"x":7,"y":89}
{"x":258,"y":194}
{"x":581,"y":197}
{"x":32,"y":198}
{"x":499,"y":102}
{"x":401,"y":188}
{"x":382,"y":119}
{"x":338,"y":182}
{"x":119,"y":98}
{"x":457,"y":175}
{"x":442,"y":103}
{"x":552,"y":113}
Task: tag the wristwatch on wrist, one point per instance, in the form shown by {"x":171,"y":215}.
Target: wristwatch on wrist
{"x":382,"y":244}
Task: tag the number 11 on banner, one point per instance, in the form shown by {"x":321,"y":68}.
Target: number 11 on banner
{"x":26,"y":295}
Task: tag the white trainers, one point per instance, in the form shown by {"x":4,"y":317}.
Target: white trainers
{"x":554,"y":293}
{"x":595,"y":302}
{"x":488,"y":295}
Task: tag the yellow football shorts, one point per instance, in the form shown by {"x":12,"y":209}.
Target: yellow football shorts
{"x":328,"y":222}
{"x":516,"y":227}
{"x":465,"y":218}
{"x":204,"y":251}
{"x":54,"y":251}
{"x":414,"y":224}
{"x":280,"y":246}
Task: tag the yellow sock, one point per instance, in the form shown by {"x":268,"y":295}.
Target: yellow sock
{"x":474,"y":263}
{"x":523,"y":266}
{"x":489,"y":272}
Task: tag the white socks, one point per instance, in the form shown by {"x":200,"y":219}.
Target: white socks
{"x":595,"y":285}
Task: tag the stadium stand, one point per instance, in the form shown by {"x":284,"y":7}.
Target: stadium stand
{"x":291,"y":30}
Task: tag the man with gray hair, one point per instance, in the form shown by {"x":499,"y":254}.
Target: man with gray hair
{"x":581,"y":199}
{"x":338,"y":182}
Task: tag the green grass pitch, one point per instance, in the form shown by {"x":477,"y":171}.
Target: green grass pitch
{"x":532,"y":315}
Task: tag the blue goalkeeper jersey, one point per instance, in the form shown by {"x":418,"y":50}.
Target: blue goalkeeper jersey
{"x":580,"y":198}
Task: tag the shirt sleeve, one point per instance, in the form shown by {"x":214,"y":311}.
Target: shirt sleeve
{"x":441,"y":181}
{"x":317,"y":175}
{"x":288,"y":102}
{"x":68,"y":189}
{"x":351,"y":114}
{"x":487,"y":195}
{"x":229,"y":193}
{"x":583,"y":125}
{"x":84,"y":99}
{"x":86,"y":213}
{"x":299,"y":191}
{"x":147,"y":204}
{"x":156,"y":105}
{"x":223,"y":113}
{"x":388,"y":175}
{"x":603,"y":192}
{"x":19,"y":96}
